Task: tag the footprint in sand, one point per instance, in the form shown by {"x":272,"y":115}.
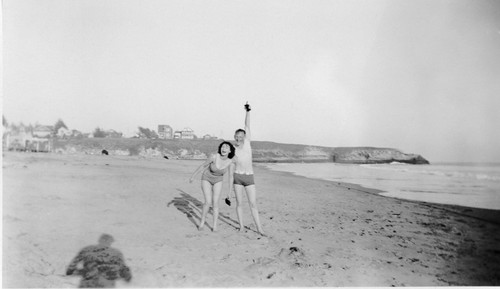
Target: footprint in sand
{"x":225,"y":257}
{"x":143,"y":278}
{"x":193,"y":235}
{"x":52,"y":198}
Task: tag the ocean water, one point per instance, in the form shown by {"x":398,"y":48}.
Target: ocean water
{"x":471,"y":185}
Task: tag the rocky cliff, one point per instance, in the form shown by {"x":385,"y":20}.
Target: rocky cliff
{"x":262,"y":151}
{"x":369,"y":155}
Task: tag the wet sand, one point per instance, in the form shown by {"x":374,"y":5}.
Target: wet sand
{"x":320,"y":233}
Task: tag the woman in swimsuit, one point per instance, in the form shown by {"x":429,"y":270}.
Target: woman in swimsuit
{"x":211,"y":180}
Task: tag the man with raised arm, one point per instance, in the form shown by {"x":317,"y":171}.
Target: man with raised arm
{"x":243,"y":173}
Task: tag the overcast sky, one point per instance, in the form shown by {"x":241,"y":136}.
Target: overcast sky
{"x":420,"y":76}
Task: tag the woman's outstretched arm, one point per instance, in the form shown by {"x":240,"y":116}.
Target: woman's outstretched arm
{"x":201,"y":167}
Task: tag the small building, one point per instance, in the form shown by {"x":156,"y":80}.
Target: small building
{"x":165,"y":131}
{"x":39,"y":145}
{"x":17,"y":137}
{"x":209,"y":137}
{"x":43,"y":131}
{"x":76,"y":133}
{"x":64,"y":133}
{"x":111,"y":133}
{"x":187,"y":133}
{"x":177,"y":134}
{"x":23,"y":139}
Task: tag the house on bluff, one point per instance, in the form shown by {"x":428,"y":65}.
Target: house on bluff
{"x":27,"y":138}
{"x":187,"y":133}
{"x":165,"y":131}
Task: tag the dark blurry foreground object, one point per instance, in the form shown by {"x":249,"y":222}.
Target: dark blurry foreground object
{"x":101,"y":265}
{"x":228,"y":202}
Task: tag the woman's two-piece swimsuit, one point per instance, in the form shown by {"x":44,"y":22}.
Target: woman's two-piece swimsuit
{"x":212,"y":174}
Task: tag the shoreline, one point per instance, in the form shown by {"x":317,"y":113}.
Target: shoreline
{"x":320,"y":233}
{"x":488,"y":215}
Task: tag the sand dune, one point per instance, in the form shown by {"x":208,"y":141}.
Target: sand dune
{"x":320,"y":233}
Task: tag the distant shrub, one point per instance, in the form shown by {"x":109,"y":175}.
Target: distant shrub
{"x":134,"y":150}
{"x":99,"y":133}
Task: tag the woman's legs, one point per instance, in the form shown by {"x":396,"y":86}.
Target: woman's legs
{"x":206,"y":187}
{"x":251,"y":194}
{"x":217,"y":189}
{"x":238,"y":189}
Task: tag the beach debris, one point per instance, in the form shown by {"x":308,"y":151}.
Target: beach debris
{"x":271,"y":275}
{"x":104,"y":152}
{"x":263,"y":261}
{"x":158,"y":268}
{"x":165,"y":157}
{"x":292,"y":255}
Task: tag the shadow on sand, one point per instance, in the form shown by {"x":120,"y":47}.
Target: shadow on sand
{"x":99,"y":265}
{"x":192,"y":208}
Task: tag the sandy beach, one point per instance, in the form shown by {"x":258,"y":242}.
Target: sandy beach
{"x":320,"y":233}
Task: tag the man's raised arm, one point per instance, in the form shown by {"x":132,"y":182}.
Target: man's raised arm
{"x":247,"y":121}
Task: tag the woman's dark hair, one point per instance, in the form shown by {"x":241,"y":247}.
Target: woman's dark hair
{"x":231,"y":149}
{"x":242,"y":130}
